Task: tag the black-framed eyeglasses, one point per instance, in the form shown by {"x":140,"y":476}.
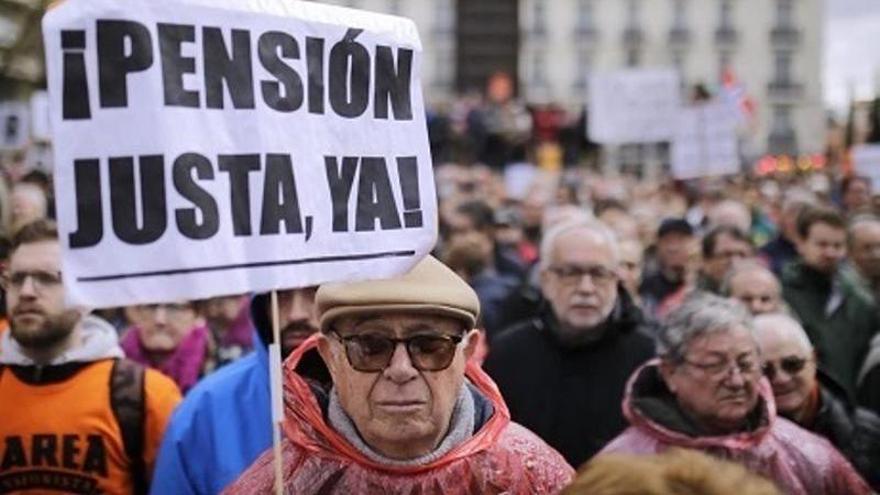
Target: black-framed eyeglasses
{"x":792,"y":365}
{"x":371,"y":353}
{"x":41,"y":280}
{"x":573,"y":274}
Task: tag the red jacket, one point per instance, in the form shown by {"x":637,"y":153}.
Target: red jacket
{"x":501,"y":457}
{"x":798,"y":461}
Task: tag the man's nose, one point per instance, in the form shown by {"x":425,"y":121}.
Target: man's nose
{"x":300,"y":309}
{"x":161,"y":315}
{"x":401,"y":368}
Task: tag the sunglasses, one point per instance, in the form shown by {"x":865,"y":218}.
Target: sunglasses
{"x":372,"y":353}
{"x":792,"y":365}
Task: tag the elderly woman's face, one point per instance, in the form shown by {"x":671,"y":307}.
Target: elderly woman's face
{"x":717,"y":383}
{"x":400,"y":411}
{"x":163,"y":326}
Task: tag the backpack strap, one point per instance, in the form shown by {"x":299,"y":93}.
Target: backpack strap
{"x":127,"y":402}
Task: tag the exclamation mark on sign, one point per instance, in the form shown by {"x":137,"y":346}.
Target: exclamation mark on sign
{"x":408,"y":171}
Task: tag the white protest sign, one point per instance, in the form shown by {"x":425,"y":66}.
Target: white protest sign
{"x":14,"y":125}
{"x":866,"y":162}
{"x":705,"y":142}
{"x":632,"y":106}
{"x":225,"y":146}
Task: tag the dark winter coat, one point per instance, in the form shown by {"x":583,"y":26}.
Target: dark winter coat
{"x":838,"y":315}
{"x":570,"y":397}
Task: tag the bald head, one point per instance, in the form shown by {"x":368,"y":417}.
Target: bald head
{"x":754,"y":285}
{"x":789,"y":363}
{"x":781,"y":328}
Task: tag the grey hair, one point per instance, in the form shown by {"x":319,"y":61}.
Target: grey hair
{"x":781,"y":323}
{"x":548,"y":242}
{"x":700,"y":314}
{"x":746,"y":267}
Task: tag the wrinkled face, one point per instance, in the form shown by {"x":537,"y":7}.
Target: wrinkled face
{"x":791,"y":387}
{"x":35,"y":296}
{"x":758,"y":290}
{"x":163,"y":326}
{"x":824,"y":247}
{"x":298,"y":319}
{"x":401,"y":411}
{"x":717,"y":383}
{"x":865,"y":249}
{"x":28,"y":203}
{"x":857,"y":196}
{"x":673,"y":250}
{"x":728,"y":251}
{"x":580,"y":281}
{"x":630,"y":266}
{"x":224,"y":310}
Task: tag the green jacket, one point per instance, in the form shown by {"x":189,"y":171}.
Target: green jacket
{"x":839,"y":315}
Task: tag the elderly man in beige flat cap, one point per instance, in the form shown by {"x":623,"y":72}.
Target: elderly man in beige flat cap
{"x":406,"y":412}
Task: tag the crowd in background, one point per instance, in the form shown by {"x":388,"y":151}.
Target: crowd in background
{"x":551,"y":244}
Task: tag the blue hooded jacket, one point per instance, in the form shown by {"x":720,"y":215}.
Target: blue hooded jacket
{"x":220,"y":428}
{"x":223,"y":424}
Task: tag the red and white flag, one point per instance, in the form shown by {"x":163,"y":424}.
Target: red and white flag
{"x":734,"y":93}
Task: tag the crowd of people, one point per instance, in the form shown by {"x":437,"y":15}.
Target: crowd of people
{"x":718,"y":335}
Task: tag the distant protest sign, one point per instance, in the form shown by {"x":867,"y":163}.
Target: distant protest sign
{"x":219,"y":147}
{"x":866,"y":162}
{"x":704,"y":143}
{"x":14,"y":125}
{"x":633,"y":106}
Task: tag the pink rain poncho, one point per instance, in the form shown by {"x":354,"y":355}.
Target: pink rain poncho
{"x":798,"y":461}
{"x":502,"y":457}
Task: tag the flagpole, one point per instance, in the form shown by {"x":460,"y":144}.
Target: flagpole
{"x":276,"y":394}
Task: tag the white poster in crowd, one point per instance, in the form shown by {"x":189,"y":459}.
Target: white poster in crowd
{"x":866,"y":162}
{"x":14,"y":125}
{"x":704,"y":143}
{"x":40,"y":128}
{"x":207,"y":148}
{"x":632,"y":106}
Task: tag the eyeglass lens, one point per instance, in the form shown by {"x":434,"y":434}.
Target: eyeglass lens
{"x":373,"y":353}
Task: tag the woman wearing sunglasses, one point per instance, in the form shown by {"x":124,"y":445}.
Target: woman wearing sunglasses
{"x":811,"y":398}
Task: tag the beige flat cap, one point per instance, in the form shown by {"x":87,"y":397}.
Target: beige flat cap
{"x":429,"y":288}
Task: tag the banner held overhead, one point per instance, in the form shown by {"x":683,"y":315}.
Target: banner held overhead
{"x":223,"y":147}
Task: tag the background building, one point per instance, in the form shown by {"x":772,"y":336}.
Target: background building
{"x":774,"y":47}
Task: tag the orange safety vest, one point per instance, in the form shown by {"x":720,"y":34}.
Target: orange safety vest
{"x":64,"y":437}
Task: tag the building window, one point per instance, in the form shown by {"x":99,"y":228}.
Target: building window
{"x":539,"y":79}
{"x":582,"y":74}
{"x":584,"y":20}
{"x":781,"y":119}
{"x":679,"y":14}
{"x":725,"y":61}
{"x":443,"y":69}
{"x":782,"y":66}
{"x":785,"y":13}
{"x":632,"y":9}
{"x":444,"y":20}
{"x":539,"y":18}
{"x":633,"y":57}
{"x":394,"y":7}
{"x":678,"y":58}
{"x":726,"y":14}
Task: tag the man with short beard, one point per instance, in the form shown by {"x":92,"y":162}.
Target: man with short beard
{"x":563,"y":372}
{"x":66,"y":394}
{"x":225,"y":421}
{"x":838,"y":314}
